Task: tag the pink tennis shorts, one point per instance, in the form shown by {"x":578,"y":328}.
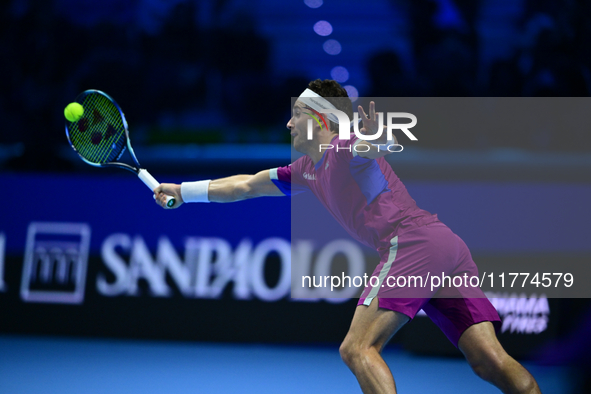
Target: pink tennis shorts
{"x":430,"y":268}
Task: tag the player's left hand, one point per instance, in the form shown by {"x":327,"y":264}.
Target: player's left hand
{"x":370,"y":123}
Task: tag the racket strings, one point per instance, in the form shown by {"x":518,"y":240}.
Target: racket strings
{"x":99,"y":136}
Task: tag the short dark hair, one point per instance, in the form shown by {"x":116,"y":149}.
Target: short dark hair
{"x":335,"y":94}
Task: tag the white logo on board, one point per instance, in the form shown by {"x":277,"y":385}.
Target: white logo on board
{"x":55,"y":264}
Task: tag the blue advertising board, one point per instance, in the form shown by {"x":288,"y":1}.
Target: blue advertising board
{"x":94,"y":255}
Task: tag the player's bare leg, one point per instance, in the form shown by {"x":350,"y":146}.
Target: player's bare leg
{"x":370,"y":330}
{"x":489,"y":360}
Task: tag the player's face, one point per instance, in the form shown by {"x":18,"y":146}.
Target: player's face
{"x":298,"y":127}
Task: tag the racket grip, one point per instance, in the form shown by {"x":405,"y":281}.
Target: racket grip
{"x":152,"y":184}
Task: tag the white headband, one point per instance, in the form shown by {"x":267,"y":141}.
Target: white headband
{"x":318,"y":103}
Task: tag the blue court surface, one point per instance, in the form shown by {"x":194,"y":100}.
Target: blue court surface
{"x":66,"y":366}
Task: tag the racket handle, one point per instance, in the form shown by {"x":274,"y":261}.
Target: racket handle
{"x":152,"y":183}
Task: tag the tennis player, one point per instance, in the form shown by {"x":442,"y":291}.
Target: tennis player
{"x":362,"y":192}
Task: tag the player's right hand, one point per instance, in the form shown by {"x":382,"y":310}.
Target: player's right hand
{"x":371,"y":125}
{"x":168,"y":189}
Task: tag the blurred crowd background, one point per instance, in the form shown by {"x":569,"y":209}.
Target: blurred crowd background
{"x":223,"y":71}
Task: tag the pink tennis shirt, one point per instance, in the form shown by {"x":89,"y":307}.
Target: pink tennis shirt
{"x":364,"y":195}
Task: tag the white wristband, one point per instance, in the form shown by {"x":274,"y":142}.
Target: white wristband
{"x":195,"y":191}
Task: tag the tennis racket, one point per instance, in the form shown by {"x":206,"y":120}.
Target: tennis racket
{"x":100,"y":136}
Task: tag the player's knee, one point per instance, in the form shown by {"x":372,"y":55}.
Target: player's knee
{"x":484,"y":371}
{"x":503,"y":371}
{"x":489,"y":365}
{"x":347,"y":352}
{"x":353,"y":353}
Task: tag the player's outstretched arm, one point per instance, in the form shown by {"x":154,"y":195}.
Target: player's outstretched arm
{"x":230,"y":189}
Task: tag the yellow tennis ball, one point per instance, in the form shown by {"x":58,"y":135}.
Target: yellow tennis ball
{"x":73,"y":112}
